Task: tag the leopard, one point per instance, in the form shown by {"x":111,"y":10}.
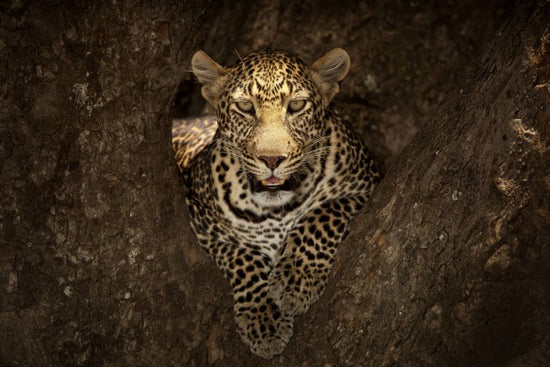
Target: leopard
{"x":273,"y":181}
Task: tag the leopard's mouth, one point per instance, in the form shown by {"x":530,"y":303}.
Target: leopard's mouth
{"x":275,"y":184}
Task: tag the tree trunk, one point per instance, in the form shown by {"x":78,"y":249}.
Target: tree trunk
{"x":449,"y":264}
{"x":95,"y":258}
{"x":446,"y":266}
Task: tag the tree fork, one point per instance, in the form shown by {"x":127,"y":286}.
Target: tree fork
{"x":446,"y":266}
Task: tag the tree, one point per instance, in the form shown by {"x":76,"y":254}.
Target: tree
{"x":93,"y":222}
{"x":446,"y":265}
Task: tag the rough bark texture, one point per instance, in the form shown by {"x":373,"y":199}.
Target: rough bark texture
{"x":447,"y":265}
{"x":94,"y":230}
{"x":450,"y":263}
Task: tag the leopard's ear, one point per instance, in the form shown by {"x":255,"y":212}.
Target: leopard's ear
{"x":329,"y":70}
{"x":211,"y":75}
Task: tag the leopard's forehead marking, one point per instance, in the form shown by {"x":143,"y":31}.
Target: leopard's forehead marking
{"x":269,"y":75}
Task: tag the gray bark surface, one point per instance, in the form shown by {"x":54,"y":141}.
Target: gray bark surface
{"x":448,"y":265}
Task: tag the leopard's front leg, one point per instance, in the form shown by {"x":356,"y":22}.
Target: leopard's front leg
{"x":260,"y":322}
{"x":300,"y":277}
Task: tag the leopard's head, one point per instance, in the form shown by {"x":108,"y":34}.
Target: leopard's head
{"x":271,"y":114}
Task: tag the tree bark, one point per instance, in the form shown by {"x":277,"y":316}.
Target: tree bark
{"x":446,"y":266}
{"x":94,"y":258}
{"x":449,"y":264}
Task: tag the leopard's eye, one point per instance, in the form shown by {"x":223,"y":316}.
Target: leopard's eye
{"x":245,"y":106}
{"x":297,"y":105}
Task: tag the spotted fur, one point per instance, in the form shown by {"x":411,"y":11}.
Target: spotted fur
{"x":272,"y":196}
{"x":190,"y":136}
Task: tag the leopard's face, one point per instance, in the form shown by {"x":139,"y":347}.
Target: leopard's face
{"x":271,"y":113}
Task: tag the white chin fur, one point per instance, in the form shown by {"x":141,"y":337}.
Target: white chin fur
{"x":272,"y":199}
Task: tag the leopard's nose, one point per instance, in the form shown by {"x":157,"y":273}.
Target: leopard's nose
{"x":272,"y":161}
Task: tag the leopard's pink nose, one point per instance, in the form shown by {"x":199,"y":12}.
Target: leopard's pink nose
{"x":272,"y":162}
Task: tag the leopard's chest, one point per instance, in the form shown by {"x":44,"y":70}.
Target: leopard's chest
{"x":267,"y":236}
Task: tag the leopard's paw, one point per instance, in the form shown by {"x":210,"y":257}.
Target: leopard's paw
{"x":293,"y":289}
{"x":264,"y":328}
